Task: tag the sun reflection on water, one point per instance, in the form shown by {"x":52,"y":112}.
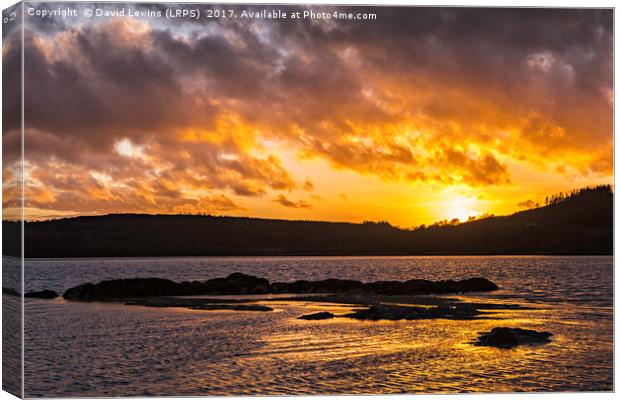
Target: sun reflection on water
{"x":93,"y":349}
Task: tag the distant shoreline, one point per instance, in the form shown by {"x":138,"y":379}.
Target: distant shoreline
{"x":581,"y":224}
{"x":327,"y":256}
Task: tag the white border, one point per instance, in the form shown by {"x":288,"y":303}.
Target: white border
{"x":479,"y":3}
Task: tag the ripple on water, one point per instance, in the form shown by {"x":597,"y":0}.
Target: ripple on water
{"x":75,"y":349}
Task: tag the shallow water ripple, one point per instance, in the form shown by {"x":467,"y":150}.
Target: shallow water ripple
{"x":82,"y":349}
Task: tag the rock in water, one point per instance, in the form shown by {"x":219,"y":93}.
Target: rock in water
{"x":43,"y":294}
{"x":507,"y":338}
{"x":472,"y":285}
{"x":411,"y":287}
{"x":239,"y":283}
{"x":235,"y":283}
{"x":122,"y":289}
{"x":394,"y":313}
{"x":423,"y":286}
{"x":317,"y":316}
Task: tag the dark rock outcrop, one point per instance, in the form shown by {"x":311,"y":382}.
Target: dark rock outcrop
{"x":235,"y":283}
{"x":414,"y":286}
{"x":233,"y":307}
{"x":395,"y":313}
{"x":317,"y":316}
{"x":42,"y":294}
{"x":507,"y":338}
{"x":123,"y":288}
{"x":238,"y":283}
{"x":422,"y":286}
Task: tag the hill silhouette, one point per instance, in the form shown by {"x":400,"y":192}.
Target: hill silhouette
{"x":580,"y":222}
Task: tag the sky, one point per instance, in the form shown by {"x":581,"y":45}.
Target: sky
{"x":421,"y":115}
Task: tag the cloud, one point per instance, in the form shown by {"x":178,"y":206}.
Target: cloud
{"x":528,"y":204}
{"x":291,"y":204}
{"x":308,"y":185}
{"x":473,"y":170}
{"x":453,"y":96}
{"x":218,"y":204}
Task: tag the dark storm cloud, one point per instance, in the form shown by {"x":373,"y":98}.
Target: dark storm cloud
{"x":104,"y":88}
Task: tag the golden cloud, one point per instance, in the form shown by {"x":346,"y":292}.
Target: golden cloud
{"x":146,"y":118}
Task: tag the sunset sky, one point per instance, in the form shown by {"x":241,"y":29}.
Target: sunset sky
{"x":421,"y":115}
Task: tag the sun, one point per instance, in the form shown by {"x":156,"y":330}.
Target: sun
{"x":462,"y":208}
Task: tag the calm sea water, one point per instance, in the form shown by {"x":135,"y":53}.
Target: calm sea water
{"x":80,"y":349}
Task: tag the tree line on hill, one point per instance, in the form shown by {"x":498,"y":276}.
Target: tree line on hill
{"x":577,"y":222}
